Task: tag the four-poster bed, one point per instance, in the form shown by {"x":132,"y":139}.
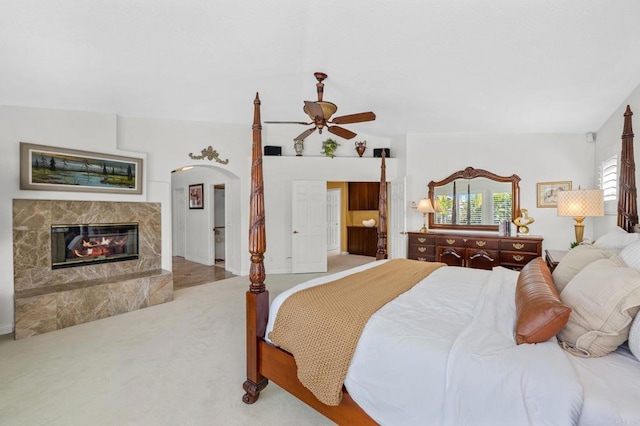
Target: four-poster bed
{"x":267,"y":361}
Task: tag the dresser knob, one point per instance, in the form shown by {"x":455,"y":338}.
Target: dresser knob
{"x":481,"y":243}
{"x":518,"y":258}
{"x":422,"y":249}
{"x":451,"y":241}
{"x":518,"y":246}
{"x":421,"y":240}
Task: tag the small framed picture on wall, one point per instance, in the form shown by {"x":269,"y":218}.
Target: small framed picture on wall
{"x":548,"y":192}
{"x":196,"y":196}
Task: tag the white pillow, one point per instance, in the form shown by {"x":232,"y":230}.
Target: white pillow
{"x":631,"y":255}
{"x":616,"y":239}
{"x":574,"y":261}
{"x":604,"y":297}
{"x":634,"y":337}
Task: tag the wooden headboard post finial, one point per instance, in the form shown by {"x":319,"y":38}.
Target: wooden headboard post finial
{"x":257,"y":298}
{"x":382,"y":211}
{"x":628,"y":194}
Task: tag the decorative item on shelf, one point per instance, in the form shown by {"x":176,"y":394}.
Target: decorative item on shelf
{"x":329,"y":147}
{"x":298,"y":145}
{"x":370,"y":223}
{"x":580,"y":204}
{"x":523,"y":221}
{"x":424,"y":207}
{"x":210,"y":154}
{"x":361,"y":147}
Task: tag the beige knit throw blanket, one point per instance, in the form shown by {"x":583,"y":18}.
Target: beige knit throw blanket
{"x":321,"y":325}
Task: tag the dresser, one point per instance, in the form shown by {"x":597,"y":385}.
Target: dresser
{"x":473,"y":250}
{"x":362,"y":240}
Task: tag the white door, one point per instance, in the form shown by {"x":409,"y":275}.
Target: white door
{"x":333,"y":219}
{"x":308,"y":226}
{"x":397,"y":234}
{"x":179,"y":203}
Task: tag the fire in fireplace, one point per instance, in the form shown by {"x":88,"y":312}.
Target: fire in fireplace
{"x":79,"y":245}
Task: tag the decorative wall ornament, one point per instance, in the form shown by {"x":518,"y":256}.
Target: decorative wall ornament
{"x":210,"y":154}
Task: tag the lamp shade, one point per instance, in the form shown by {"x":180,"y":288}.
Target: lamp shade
{"x":581,"y":203}
{"x":425,"y":206}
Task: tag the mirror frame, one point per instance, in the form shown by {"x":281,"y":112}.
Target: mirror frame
{"x":470,"y":173}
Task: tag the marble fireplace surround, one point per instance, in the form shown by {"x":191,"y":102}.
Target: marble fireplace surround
{"x":47,"y":300}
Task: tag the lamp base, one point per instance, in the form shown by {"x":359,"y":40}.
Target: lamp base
{"x":579,"y":227}
{"x":424,"y":229}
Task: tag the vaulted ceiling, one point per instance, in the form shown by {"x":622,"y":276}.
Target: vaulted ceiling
{"x":423,"y":66}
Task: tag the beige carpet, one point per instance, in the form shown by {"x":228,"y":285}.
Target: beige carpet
{"x":180,"y":363}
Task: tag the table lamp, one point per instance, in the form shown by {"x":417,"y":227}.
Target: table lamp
{"x":580,"y":204}
{"x":424,"y":207}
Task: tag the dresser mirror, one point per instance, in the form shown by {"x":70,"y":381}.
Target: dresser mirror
{"x":474,"y":199}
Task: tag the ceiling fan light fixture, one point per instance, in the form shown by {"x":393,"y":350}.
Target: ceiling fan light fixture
{"x":328,"y":109}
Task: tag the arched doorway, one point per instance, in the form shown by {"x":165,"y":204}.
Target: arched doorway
{"x":195,"y":228}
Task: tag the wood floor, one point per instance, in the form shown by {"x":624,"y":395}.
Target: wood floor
{"x":189,"y":274}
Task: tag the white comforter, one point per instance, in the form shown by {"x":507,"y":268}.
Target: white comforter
{"x":443,"y":353}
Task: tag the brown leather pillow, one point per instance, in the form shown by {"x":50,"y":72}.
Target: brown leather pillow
{"x":540,"y":314}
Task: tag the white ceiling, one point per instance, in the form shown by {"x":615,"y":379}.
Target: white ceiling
{"x":423,"y":66}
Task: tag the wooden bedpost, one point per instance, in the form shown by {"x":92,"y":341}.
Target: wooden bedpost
{"x":382,"y":211}
{"x":257,"y":298}
{"x":628,"y":196}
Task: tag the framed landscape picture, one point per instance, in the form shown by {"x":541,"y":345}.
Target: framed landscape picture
{"x":47,"y":168}
{"x":196,"y":196}
{"x":548,"y":192}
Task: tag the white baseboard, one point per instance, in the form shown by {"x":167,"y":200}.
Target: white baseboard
{"x":6,"y":329}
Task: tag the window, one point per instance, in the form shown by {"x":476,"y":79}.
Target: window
{"x":608,"y":175}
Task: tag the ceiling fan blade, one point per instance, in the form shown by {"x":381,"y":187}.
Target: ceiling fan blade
{"x":342,"y":132}
{"x":303,"y":135}
{"x":288,"y":122}
{"x":314,"y":109}
{"x":354,"y":118}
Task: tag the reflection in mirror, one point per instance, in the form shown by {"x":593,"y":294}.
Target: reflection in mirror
{"x":474,"y":199}
{"x":478,"y":201}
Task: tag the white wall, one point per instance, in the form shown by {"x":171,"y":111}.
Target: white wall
{"x":279,"y":172}
{"x":609,"y":143}
{"x":168,"y":144}
{"x":533,"y":157}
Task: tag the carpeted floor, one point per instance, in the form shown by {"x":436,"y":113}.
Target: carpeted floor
{"x":180,"y":363}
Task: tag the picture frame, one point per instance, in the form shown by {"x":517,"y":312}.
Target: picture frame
{"x":547,"y":193}
{"x":196,"y":196}
{"x":49,"y":168}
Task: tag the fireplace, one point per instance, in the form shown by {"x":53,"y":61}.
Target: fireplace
{"x":88,"y":244}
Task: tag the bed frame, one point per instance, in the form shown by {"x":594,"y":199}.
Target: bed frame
{"x":267,"y":362}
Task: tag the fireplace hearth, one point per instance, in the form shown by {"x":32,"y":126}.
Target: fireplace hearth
{"x":85,"y":244}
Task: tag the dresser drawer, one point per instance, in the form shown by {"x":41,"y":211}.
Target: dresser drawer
{"x":450,"y":241}
{"x":515,"y":258}
{"x":482,"y":243}
{"x":422,"y":252}
{"x":522,"y":246}
{"x":421,"y":239}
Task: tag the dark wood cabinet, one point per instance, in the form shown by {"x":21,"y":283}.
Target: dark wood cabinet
{"x":362,"y":240}
{"x":363,"y":195}
{"x":474,"y":251}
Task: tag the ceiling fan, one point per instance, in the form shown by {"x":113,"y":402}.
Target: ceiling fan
{"x":320,"y":113}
